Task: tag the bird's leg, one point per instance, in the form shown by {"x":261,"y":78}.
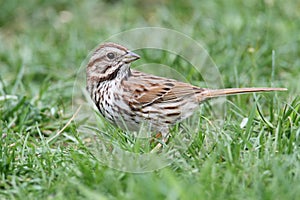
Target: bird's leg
{"x":161,"y":143}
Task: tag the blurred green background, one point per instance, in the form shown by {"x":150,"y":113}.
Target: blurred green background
{"x":43,"y":44}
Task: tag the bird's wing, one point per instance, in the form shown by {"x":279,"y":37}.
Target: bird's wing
{"x":147,"y":89}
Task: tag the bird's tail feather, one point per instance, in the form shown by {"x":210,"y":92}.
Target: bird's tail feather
{"x":211,"y":93}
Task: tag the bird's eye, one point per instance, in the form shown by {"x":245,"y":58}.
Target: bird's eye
{"x":111,"y":55}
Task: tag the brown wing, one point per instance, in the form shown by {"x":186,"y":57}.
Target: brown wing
{"x":148,"y":89}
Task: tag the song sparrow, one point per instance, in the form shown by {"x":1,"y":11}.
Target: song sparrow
{"x":129,"y":98}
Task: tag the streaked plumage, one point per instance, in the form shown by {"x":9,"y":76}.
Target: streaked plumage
{"x":130,"y":97}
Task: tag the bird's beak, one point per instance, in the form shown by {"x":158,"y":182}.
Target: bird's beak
{"x":130,"y":57}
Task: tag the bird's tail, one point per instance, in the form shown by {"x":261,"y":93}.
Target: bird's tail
{"x":211,"y":93}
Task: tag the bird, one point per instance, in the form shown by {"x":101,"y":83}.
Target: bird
{"x":129,"y":98}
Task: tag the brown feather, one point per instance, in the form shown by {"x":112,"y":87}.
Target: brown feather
{"x":212,"y":93}
{"x":148,"y":89}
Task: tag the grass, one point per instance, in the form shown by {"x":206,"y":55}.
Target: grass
{"x":253,"y":154}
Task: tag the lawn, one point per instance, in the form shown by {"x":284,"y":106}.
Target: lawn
{"x":242,"y":147}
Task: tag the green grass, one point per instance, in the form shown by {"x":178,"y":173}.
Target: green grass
{"x":44,"y":43}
